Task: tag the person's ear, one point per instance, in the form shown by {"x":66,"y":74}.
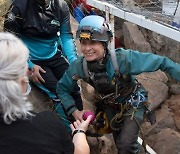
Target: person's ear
{"x":23,"y":81}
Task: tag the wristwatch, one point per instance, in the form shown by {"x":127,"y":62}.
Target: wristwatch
{"x":78,"y":131}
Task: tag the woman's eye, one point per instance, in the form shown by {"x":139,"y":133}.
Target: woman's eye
{"x":83,"y":43}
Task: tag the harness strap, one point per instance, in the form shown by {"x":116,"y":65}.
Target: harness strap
{"x":115,"y":63}
{"x":117,"y":119}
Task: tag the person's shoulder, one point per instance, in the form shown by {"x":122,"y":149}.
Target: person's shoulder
{"x":76,"y":66}
{"x":19,"y":6}
{"x":46,"y":113}
{"x":48,"y":117}
{"x":121,"y":51}
{"x":20,"y":3}
{"x":79,"y":60}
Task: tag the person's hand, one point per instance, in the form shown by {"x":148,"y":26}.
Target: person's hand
{"x":83,"y":125}
{"x":36,"y":76}
{"x":79,"y":137}
{"x":78,"y":115}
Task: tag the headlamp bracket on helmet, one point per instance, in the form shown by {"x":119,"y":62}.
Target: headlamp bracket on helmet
{"x":85,"y":35}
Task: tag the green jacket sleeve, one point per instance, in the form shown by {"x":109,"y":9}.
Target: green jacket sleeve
{"x":65,"y":87}
{"x":134,"y":62}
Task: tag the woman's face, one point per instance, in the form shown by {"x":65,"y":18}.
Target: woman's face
{"x":92,"y":50}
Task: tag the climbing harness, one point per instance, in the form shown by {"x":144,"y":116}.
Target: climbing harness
{"x":114,"y":106}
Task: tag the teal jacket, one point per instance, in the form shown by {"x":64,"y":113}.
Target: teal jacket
{"x":130,"y":63}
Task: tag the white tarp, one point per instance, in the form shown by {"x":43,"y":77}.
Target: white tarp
{"x":169,"y":7}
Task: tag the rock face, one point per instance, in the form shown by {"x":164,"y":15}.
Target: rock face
{"x":164,"y":135}
{"x":134,"y":39}
{"x":151,"y":81}
{"x":162,"y":45}
{"x":174,"y":105}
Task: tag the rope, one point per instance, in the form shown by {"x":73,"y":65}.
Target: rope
{"x":141,"y":133}
{"x":118,"y":118}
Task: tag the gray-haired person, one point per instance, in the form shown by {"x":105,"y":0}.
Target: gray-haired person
{"x":23,"y":131}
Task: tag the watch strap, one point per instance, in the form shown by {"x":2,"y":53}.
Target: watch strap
{"x":78,"y":131}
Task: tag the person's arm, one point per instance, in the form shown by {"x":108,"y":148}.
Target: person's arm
{"x":68,"y":43}
{"x":79,"y":136}
{"x":65,"y":87}
{"x":135,"y":62}
{"x":12,"y":24}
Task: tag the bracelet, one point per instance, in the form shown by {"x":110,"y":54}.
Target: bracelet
{"x":78,"y":131}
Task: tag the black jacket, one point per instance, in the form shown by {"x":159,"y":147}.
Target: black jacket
{"x":31,"y":19}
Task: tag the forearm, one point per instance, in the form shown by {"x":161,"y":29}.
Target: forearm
{"x":65,"y":88}
{"x":80,"y":143}
{"x":79,"y":137}
{"x":69,"y":48}
{"x":66,"y":36}
{"x":131,"y":60}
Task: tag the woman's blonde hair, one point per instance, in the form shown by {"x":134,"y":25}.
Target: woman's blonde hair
{"x":13,"y":65}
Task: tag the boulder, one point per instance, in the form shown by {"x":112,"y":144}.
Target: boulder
{"x":155,"y":84}
{"x":175,"y":89}
{"x":102,"y":145}
{"x":174,"y":105}
{"x":166,"y":142}
{"x":164,"y":119}
{"x":134,"y":39}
